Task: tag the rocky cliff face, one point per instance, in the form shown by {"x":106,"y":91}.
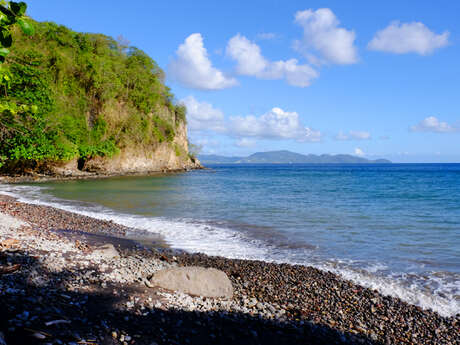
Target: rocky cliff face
{"x":90,"y":106}
{"x":164,"y":157}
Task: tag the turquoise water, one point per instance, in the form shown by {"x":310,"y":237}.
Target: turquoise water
{"x":393,"y":227}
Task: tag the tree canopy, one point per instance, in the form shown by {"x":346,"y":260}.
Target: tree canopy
{"x":66,"y":95}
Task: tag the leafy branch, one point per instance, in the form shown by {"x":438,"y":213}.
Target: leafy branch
{"x":12,"y":13}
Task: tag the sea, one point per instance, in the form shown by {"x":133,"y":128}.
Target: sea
{"x":390,"y":227}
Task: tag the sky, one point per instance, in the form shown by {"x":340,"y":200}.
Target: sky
{"x":377,"y":79}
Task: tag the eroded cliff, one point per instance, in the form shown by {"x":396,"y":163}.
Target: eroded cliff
{"x":87,"y":103}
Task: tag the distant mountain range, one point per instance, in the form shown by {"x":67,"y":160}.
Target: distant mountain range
{"x":287,"y":157}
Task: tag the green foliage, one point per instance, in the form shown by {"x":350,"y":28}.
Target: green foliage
{"x":18,"y":8}
{"x":158,"y":135}
{"x":165,"y":129}
{"x":23,"y":136}
{"x":180,"y":112}
{"x":85,"y":95}
{"x":177,"y":150}
{"x":11,"y":13}
{"x":26,"y":27}
{"x":193,"y":151}
{"x":6,"y":40}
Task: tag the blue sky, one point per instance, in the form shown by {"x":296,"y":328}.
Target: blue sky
{"x":372,"y":78}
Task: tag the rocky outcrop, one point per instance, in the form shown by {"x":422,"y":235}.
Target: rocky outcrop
{"x":195,"y":281}
{"x":134,"y":157}
{"x":163,"y":157}
{"x":107,"y":111}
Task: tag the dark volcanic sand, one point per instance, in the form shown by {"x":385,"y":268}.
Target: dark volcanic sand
{"x":317,"y":307}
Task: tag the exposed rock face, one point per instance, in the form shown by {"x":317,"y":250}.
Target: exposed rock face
{"x":134,"y":157}
{"x":164,"y":157}
{"x":195,"y":281}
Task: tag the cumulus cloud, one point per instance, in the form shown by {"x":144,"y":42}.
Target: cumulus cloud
{"x":353,"y":135}
{"x":321,"y":32}
{"x":432,"y":124}
{"x":203,"y":116}
{"x":193,"y":68}
{"x":403,"y":38}
{"x":251,"y":62}
{"x":247,"y":54}
{"x":359,"y":152}
{"x":275,"y":124}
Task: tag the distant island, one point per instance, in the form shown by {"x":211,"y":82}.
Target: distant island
{"x":288,"y":157}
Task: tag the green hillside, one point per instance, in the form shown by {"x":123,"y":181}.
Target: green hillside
{"x":287,"y":157}
{"x":80,"y":95}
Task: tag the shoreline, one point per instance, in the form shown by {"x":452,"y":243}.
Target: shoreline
{"x":37,"y":178}
{"x":299,"y":302}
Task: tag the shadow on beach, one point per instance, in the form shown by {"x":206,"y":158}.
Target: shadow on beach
{"x":47,"y":302}
{"x":48,"y":313}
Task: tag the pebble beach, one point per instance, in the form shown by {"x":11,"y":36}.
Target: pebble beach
{"x":71,"y":279}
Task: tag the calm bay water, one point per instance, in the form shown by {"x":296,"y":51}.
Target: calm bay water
{"x":393,"y":227}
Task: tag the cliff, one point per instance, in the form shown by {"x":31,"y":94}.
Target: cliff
{"x":140,"y":159}
{"x":80,"y":102}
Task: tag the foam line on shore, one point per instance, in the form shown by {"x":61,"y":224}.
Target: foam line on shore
{"x":213,"y":240}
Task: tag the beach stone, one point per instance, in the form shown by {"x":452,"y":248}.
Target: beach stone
{"x":106,"y":251}
{"x":195,"y":281}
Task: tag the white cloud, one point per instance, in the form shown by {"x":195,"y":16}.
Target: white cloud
{"x":245,"y":142}
{"x":203,"y":116}
{"x":251,"y":62}
{"x":323,"y":34}
{"x":432,"y":124}
{"x":402,"y":38}
{"x":247,"y":54}
{"x":359,"y":152}
{"x":276,"y":124}
{"x":192,"y":67}
{"x":353,"y":135}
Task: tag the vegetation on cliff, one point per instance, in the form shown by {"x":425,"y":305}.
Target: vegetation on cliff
{"x":78,"y":95}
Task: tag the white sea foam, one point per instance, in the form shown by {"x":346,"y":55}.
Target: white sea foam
{"x":443,"y":300}
{"x":440,"y":296}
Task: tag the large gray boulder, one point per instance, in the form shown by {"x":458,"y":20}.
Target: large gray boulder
{"x":106,"y":252}
{"x":195,"y":281}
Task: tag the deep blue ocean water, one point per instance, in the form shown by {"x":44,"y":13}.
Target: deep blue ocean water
{"x":393,"y":227}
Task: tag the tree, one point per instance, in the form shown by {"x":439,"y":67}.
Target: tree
{"x":11,"y":14}
{"x":71,"y":95}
